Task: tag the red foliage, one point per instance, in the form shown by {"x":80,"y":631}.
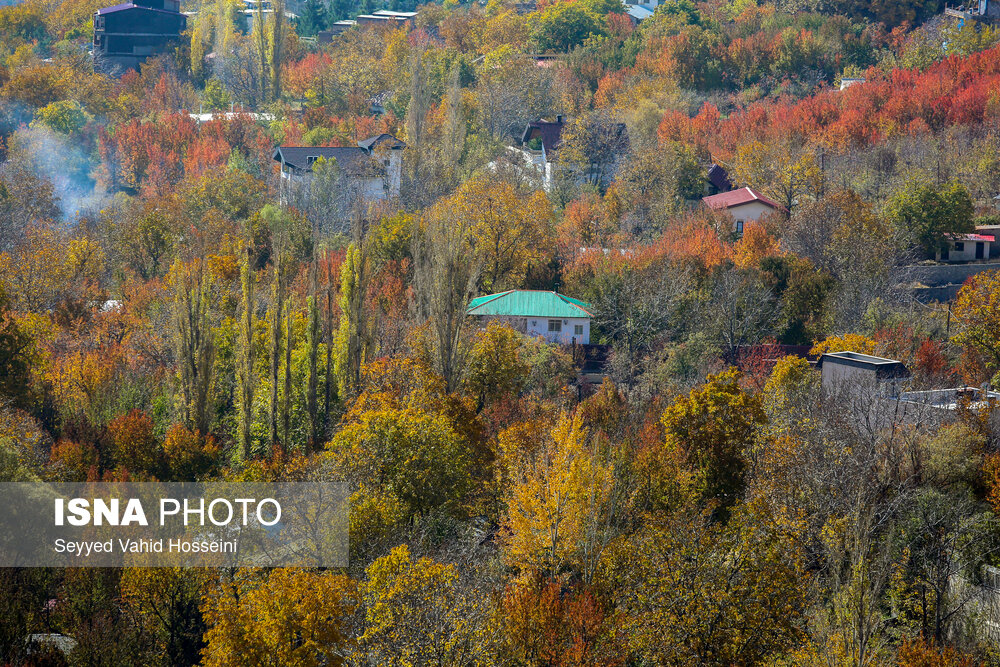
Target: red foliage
{"x":955,"y":91}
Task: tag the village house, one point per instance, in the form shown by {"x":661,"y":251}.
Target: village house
{"x":373,"y":168}
{"x":965,"y":248}
{"x":554,"y":317}
{"x":125,"y":35}
{"x":743,"y":206}
{"x":540,"y":143}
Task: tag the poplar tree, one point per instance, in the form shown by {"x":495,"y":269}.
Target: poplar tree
{"x":245,"y":372}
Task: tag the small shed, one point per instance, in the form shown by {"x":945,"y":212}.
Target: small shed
{"x":838,"y":369}
{"x":965,"y":248}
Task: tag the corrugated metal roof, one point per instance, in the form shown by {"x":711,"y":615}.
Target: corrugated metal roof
{"x":528,"y":303}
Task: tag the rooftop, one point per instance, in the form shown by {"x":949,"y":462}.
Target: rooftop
{"x":528,"y":303}
{"x":353,"y":158}
{"x":884,"y":368}
{"x":550,"y":132}
{"x":951,"y":399}
{"x":719,"y":177}
{"x":131,"y":5}
{"x":970,"y":237}
{"x":725,"y":200}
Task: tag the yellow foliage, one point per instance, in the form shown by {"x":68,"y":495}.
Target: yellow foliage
{"x":845,"y":343}
{"x":555,"y":509}
{"x":291,"y":617}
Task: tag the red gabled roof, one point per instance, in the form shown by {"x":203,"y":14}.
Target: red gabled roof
{"x":725,"y":200}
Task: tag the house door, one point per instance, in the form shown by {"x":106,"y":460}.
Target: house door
{"x":979,"y":249}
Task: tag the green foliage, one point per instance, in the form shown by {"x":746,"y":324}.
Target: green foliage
{"x":216,"y":96}
{"x":416,"y":457}
{"x":711,"y":429}
{"x":312,"y":19}
{"x":563,"y":25}
{"x":496,"y":368}
{"x":928,"y":214}
{"x":65,"y":116}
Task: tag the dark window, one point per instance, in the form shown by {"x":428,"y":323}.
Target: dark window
{"x":959,"y":246}
{"x":577,"y":329}
{"x":739,"y":226}
{"x":555,"y":326}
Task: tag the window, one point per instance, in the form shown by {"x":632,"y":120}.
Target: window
{"x":739,"y":226}
{"x":555,"y":326}
{"x":959,"y":246}
{"x":577,"y":329}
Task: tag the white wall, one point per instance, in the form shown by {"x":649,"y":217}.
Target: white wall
{"x":749,"y":212}
{"x":967,"y":253}
{"x":539,"y":326}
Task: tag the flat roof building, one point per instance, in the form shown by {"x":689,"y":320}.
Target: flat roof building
{"x":125,"y":35}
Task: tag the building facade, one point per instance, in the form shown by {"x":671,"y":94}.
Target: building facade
{"x":372,"y":169}
{"x":743,"y":206}
{"x":126,"y":35}
{"x":548,"y":315}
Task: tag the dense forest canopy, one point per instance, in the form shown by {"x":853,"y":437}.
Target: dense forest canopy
{"x":176,"y":305}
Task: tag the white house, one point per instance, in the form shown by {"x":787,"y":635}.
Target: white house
{"x":965,"y":248}
{"x":554,"y":317}
{"x":373,"y":167}
{"x":743,"y":205}
{"x":540,"y":146}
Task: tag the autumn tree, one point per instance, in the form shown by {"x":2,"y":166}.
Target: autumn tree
{"x":560,"y":512}
{"x":496,"y":369}
{"x":417,"y":457}
{"x":712,"y":429}
{"x":928,"y":215}
{"x":246,"y":374}
{"x":417,"y":613}
{"x":509,"y":231}
{"x":169,"y":600}
{"x":15,"y":348}
{"x":977,"y":311}
{"x":445,"y":277}
{"x":787,"y":175}
{"x":194,"y":339}
{"x":692,"y":591}
{"x":288,"y":617}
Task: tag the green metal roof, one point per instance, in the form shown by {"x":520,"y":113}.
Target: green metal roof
{"x":528,"y":303}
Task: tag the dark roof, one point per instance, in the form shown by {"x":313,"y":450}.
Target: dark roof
{"x":719,"y":177}
{"x":350,"y":158}
{"x":549,"y":131}
{"x":883,"y":368}
{"x":390,"y":141}
{"x":355,"y":159}
{"x":132,"y":5}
